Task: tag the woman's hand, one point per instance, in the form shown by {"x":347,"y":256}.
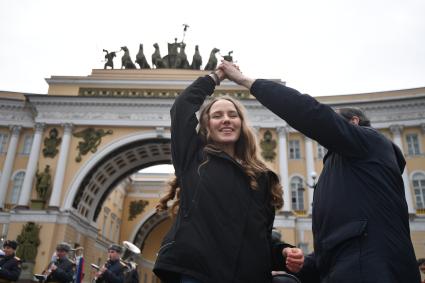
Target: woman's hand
{"x":232,"y":72}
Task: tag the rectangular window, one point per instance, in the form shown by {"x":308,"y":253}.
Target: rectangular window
{"x":111,"y":230}
{"x":3,"y":142}
{"x":412,"y":144}
{"x":419,"y":189}
{"x":294,"y":149}
{"x":321,"y":151}
{"x":297,"y":193}
{"x":105,"y":217}
{"x":27,"y":144}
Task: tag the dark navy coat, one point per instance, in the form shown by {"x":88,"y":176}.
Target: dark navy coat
{"x":222,"y":232}
{"x":360,"y":218}
{"x":114,"y":272}
{"x":10,"y":268}
{"x":64,"y":272}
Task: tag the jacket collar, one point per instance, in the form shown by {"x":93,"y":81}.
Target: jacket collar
{"x":223,"y":155}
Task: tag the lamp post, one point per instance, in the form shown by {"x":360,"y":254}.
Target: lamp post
{"x":313,"y":176}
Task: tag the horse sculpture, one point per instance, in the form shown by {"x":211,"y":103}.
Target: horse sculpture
{"x":197,"y":59}
{"x":228,"y":57}
{"x":212,"y":62}
{"x":156,"y":58}
{"x":141,"y":59}
{"x":126,"y":61}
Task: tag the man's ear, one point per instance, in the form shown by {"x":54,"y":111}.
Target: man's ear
{"x":355,"y":120}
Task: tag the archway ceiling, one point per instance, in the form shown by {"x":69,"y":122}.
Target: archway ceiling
{"x":114,"y":168}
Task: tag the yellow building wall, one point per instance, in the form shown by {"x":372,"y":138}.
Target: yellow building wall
{"x":129,"y":226}
{"x":63,"y":89}
{"x":73,"y":167}
{"x":114,"y":202}
{"x":288,"y":235}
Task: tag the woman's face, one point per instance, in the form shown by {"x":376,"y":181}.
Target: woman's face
{"x":224,"y":123}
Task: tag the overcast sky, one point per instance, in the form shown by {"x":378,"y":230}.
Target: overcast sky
{"x":319,"y":47}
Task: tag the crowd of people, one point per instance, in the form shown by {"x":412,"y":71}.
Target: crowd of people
{"x":63,"y":269}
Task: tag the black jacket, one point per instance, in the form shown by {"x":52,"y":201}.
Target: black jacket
{"x":10,"y":268}
{"x":360,"y":219}
{"x":114,"y":273}
{"x":222,"y":232}
{"x":64,"y":272}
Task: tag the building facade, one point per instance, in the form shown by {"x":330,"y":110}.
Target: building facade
{"x":69,"y":160}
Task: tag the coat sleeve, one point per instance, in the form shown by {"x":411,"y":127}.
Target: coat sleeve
{"x":65,"y":273}
{"x":309,"y":273}
{"x":278,"y":260}
{"x":113,"y":277}
{"x":12,"y":271}
{"x":312,"y":118}
{"x":184,"y":138}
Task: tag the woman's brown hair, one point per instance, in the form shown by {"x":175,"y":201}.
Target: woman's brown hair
{"x":245,"y":152}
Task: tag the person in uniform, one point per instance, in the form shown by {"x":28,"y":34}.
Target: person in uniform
{"x":61,"y":269}
{"x":113,"y":270}
{"x":10,"y":265}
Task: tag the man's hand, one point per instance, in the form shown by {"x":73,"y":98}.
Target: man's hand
{"x":294,"y":259}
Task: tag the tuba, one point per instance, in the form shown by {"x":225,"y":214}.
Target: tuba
{"x":131,"y":251}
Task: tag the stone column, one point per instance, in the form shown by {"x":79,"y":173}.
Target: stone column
{"x":283,"y":168}
{"x":25,"y":196}
{"x":8,"y":164}
{"x":55,"y":197}
{"x":397,"y":139}
{"x":310,"y":168}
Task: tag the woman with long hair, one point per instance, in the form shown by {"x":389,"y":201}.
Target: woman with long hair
{"x":225,"y":196}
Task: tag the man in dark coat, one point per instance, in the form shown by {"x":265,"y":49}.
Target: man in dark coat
{"x":113,"y":270}
{"x":360,"y":218}
{"x":10,"y":265}
{"x":61,"y":269}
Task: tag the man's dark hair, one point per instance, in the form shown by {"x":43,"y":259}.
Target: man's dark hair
{"x":350,"y":112}
{"x":421,"y":261}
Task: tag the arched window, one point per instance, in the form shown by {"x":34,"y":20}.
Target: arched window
{"x":18,"y":180}
{"x":418,"y":181}
{"x":297,"y":193}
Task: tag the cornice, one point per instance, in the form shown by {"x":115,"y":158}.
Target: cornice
{"x":16,"y":113}
{"x":145,"y":111}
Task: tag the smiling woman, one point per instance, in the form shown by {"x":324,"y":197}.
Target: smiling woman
{"x":221,"y":120}
{"x":225,"y":196}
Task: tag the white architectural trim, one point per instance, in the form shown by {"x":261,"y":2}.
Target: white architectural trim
{"x":284,"y":221}
{"x":417,"y":225}
{"x":297,"y":175}
{"x":15,"y":113}
{"x":16,"y":173}
{"x":414,"y":172}
{"x":49,"y":216}
{"x":304,"y":224}
{"x":89,"y":164}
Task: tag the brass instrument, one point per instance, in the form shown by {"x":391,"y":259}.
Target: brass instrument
{"x":131,"y":250}
{"x":47,"y":271}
